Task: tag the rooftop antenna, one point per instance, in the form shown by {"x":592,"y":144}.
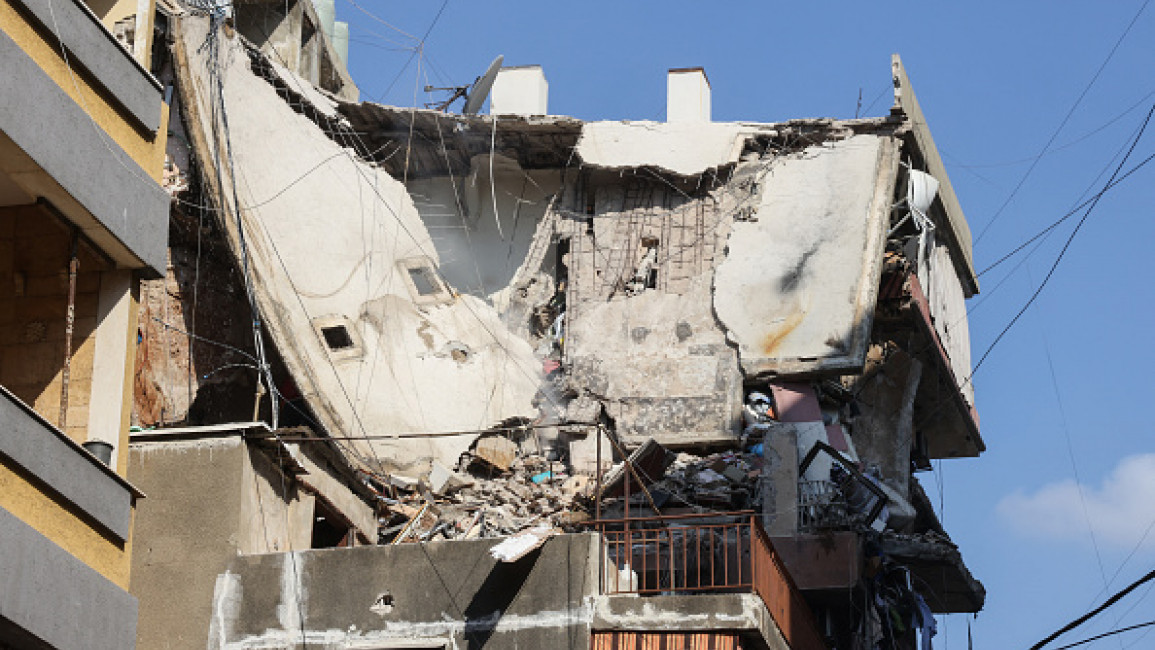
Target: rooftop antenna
{"x":474,"y":93}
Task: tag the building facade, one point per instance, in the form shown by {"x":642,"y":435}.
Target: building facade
{"x":83,"y":218}
{"x":683,"y":374}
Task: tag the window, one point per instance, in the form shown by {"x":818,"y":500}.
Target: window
{"x":425,"y":283}
{"x":423,"y":280}
{"x":337,"y":337}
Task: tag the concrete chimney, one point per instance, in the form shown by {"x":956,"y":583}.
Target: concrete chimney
{"x":687,"y":95}
{"x":519,"y":90}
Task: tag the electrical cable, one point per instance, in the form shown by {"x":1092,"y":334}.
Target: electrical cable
{"x":1106,"y":634}
{"x":1062,"y":252}
{"x":1079,"y":621}
{"x":1090,"y":203}
{"x":356,"y":144}
{"x":1130,"y":555}
{"x":1065,"y":145}
{"x":1063,"y":123}
{"x":222,"y":138}
{"x":348,"y":141}
{"x":1086,"y":617}
{"x":420,"y":45}
{"x":381,"y":20}
{"x":1068,"y":215}
{"x":1070,"y":445}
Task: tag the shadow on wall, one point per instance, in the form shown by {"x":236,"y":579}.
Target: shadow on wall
{"x":493,"y":598}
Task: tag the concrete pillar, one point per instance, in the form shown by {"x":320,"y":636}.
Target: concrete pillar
{"x":107,"y":401}
{"x":779,"y":481}
{"x":326,"y":13}
{"x":687,"y":95}
{"x":341,"y":41}
{"x":519,"y":90}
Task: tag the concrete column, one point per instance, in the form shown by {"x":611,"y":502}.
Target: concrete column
{"x":779,"y":482}
{"x":142,"y":45}
{"x":107,"y":401}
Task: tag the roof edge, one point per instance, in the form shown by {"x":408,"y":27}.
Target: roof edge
{"x":906,"y":103}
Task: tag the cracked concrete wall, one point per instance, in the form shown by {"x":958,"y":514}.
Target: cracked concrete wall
{"x":660,"y":365}
{"x":337,"y":243}
{"x":947,"y":299}
{"x":478,"y":256}
{"x":452,"y":592}
{"x":665,"y":309}
{"x":796,"y":291}
{"x":651,"y":351}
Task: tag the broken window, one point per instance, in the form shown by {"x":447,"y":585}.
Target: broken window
{"x":646,"y":272}
{"x":423,"y":279}
{"x":337,"y":337}
{"x":425,"y":283}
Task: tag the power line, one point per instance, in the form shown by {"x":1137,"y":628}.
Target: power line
{"x":381,"y":20}
{"x":1091,"y":203}
{"x":418,"y":48}
{"x":1066,"y":145}
{"x":1070,"y":447}
{"x":1086,"y":617}
{"x":1132,"y":553}
{"x":1106,"y":634}
{"x":1068,"y":215}
{"x":1062,"y":252}
{"x":1062,"y":124}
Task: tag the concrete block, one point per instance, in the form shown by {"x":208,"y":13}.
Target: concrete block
{"x":443,"y":480}
{"x":497,"y":450}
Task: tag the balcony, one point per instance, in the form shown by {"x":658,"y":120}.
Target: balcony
{"x":64,"y":519}
{"x":84,"y":129}
{"x":682,"y":555}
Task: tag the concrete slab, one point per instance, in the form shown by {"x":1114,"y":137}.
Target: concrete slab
{"x":796,"y":292}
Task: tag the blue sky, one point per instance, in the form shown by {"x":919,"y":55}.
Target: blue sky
{"x":1066,"y":392}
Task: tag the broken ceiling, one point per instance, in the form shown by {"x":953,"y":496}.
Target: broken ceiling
{"x":427,"y":277}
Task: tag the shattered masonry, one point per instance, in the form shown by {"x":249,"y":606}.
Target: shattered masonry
{"x":487,"y":313}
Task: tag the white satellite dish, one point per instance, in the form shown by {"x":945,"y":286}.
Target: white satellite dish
{"x":481,"y":88}
{"x":921,"y":190}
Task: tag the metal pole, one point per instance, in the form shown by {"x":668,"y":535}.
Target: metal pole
{"x":257,"y":398}
{"x":598,"y":479}
{"x":69,"y":321}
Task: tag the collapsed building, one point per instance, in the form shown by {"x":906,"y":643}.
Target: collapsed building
{"x":688,"y":370}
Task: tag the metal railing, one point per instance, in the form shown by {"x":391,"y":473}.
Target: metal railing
{"x":676,"y":554}
{"x":774,"y":586}
{"x":688,"y":554}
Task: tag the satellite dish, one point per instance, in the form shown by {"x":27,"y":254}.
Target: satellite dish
{"x":921,"y":190}
{"x":481,"y":88}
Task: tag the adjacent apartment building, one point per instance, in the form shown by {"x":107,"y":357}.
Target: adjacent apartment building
{"x":83,"y":218}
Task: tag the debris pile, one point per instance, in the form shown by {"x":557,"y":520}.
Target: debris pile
{"x":485,"y":499}
{"x":498,"y":490}
{"x":726,"y":480}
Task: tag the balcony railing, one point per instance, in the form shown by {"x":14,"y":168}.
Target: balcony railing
{"x":719,"y":553}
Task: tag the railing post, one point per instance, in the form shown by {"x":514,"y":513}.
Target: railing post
{"x":753,"y":557}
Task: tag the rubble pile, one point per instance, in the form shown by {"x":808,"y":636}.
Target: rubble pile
{"x":482,"y":500}
{"x":491,"y":495}
{"x":726,"y":480}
